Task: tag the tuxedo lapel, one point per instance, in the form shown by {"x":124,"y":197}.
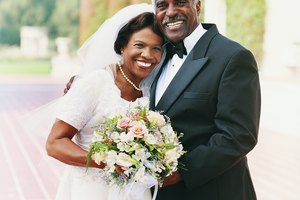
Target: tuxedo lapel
{"x":152,"y":90}
{"x":184,"y":76}
{"x":189,"y":69}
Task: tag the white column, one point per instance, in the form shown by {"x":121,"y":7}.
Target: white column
{"x":34,"y":41}
{"x":282,"y":38}
{"x":215,"y":12}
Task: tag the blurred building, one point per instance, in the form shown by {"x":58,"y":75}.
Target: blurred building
{"x":282,"y":38}
{"x":34,"y":41}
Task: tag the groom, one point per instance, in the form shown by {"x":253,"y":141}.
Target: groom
{"x":211,"y":92}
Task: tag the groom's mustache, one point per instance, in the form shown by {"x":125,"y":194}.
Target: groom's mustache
{"x":173,"y":19}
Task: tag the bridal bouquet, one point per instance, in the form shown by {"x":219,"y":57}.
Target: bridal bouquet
{"x":136,"y":146}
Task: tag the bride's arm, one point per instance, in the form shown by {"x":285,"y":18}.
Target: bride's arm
{"x":60,"y":146}
{"x":74,"y":112}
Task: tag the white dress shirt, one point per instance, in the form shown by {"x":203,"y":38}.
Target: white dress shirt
{"x":174,"y":64}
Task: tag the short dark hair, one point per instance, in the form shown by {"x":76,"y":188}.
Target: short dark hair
{"x":146,"y":19}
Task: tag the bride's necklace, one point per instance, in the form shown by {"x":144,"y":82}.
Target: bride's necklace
{"x":128,"y":80}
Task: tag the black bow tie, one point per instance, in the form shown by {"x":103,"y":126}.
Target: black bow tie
{"x":178,"y":49}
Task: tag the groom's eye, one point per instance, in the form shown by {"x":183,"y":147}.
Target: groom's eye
{"x":160,"y":5}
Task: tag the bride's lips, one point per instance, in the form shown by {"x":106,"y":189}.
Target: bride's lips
{"x":143,"y":64}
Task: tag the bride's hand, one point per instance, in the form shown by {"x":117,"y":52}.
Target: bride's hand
{"x":119,"y":169}
{"x":94,"y":164}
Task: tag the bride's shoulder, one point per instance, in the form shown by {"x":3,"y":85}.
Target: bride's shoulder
{"x":97,"y":76}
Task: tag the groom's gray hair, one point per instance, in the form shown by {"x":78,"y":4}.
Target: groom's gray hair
{"x":153,"y":2}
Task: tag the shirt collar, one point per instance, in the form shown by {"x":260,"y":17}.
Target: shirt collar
{"x":192,"y":39}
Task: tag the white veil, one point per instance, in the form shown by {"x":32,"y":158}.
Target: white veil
{"x":98,"y":51}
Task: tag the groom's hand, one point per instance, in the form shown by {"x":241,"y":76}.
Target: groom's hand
{"x":174,"y":178}
{"x":69,"y":84}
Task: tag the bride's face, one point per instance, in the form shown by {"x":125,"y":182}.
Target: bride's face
{"x":142,"y":53}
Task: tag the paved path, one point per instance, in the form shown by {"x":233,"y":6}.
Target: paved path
{"x":275,"y":161}
{"x":26,"y":173}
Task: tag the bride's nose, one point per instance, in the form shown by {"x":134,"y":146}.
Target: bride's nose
{"x":146,"y":53}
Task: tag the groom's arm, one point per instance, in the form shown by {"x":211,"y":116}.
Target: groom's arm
{"x":236,"y":122}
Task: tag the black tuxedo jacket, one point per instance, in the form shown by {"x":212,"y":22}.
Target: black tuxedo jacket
{"x":214,"y":99}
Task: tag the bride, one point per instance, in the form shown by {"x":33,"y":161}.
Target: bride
{"x":104,"y":85}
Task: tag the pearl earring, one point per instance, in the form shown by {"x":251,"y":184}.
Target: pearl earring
{"x":121,"y":61}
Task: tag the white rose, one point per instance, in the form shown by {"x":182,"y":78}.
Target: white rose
{"x":124,"y":147}
{"x":167,"y":129}
{"x":140,"y":154}
{"x":99,"y":157}
{"x":126,"y":137}
{"x":111,"y":158}
{"x":121,"y":146}
{"x":150,"y":139}
{"x":171,"y":155}
{"x":123,"y":160}
{"x":169,"y":134}
{"x":156,"y":119}
{"x":159,"y":138}
{"x":115,"y":136}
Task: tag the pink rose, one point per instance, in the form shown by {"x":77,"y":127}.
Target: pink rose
{"x":136,"y":116}
{"x":124,"y":123}
{"x":138,"y":130}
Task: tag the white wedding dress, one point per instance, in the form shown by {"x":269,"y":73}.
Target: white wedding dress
{"x":90,"y":100}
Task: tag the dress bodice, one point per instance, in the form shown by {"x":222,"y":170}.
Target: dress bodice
{"x":90,"y":100}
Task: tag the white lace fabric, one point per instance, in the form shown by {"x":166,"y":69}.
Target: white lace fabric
{"x":90,"y":100}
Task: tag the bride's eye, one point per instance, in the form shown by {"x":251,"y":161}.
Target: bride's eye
{"x":138,"y":45}
{"x":157,"y":48}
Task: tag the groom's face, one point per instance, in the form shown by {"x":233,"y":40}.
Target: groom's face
{"x":177,"y":18}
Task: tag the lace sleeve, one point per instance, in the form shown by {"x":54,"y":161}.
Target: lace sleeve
{"x":78,"y":105}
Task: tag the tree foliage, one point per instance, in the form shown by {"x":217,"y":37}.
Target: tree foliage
{"x":95,"y":12}
{"x":246,"y":22}
{"x":245,"y":19}
{"x":64,"y":21}
{"x":60,"y":16}
{"x":92,"y":14}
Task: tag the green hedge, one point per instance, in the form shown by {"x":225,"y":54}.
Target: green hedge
{"x":25,"y":66}
{"x":246,"y":22}
{"x":9,"y":36}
